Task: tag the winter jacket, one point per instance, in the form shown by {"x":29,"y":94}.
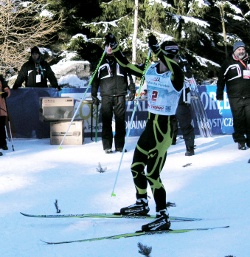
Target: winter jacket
{"x":5,"y":92}
{"x":28,"y":73}
{"x":231,"y":75}
{"x":112,"y":79}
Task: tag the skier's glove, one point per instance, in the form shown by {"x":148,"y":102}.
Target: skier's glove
{"x":110,"y":40}
{"x":58,"y":88}
{"x":153,"y":43}
{"x":95,"y":100}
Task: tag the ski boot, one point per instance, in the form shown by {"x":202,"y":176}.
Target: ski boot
{"x":190,"y":151}
{"x":160,"y":223}
{"x":242,"y":146}
{"x":140,"y":208}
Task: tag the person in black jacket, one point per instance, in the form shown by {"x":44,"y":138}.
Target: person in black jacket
{"x":5,"y":92}
{"x":112,"y":80}
{"x":35,"y":72}
{"x":183,"y":112}
{"x":235,"y":74}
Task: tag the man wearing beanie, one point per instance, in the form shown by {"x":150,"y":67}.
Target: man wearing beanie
{"x":235,"y":76}
{"x":35,"y":72}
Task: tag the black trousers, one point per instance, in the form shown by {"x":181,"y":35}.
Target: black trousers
{"x":113,"y":106}
{"x":184,"y":118}
{"x":2,"y":131}
{"x":240,"y":108}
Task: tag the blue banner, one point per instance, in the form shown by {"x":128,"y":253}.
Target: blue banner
{"x":218,"y":112}
{"x":23,"y":108}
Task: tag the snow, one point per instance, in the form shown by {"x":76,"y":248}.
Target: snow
{"x":215,"y":187}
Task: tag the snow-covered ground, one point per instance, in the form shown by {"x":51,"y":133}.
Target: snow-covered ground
{"x":215,"y":187}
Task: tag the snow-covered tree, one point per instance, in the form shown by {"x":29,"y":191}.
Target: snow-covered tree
{"x":22,"y":26}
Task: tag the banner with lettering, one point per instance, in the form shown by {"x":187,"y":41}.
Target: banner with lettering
{"x":23,"y":108}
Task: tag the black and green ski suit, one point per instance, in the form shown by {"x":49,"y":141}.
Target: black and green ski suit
{"x":151,"y":149}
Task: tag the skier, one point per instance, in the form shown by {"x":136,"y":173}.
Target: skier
{"x":5,"y":92}
{"x":112,"y":79}
{"x":164,"y":84}
{"x":235,"y":74}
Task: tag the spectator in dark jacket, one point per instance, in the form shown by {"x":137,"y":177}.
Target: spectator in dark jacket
{"x":112,"y":80}
{"x":5,"y":92}
{"x":235,"y":75}
{"x":35,"y":72}
{"x":183,"y":112}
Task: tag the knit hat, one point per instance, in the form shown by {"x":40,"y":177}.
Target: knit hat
{"x":170,"y":47}
{"x":237,"y":45}
{"x":35,"y":49}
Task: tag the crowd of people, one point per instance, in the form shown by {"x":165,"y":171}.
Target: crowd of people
{"x":167,"y":111}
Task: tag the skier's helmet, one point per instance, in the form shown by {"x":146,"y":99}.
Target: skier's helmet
{"x":170,"y":48}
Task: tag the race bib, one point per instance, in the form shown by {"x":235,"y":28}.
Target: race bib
{"x":38,"y":78}
{"x":246,"y":74}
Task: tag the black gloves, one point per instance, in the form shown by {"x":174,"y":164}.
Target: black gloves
{"x":95,"y":100}
{"x":58,"y":88}
{"x":153,"y":43}
{"x":131,"y":95}
{"x":110,"y":40}
{"x":4,"y":95}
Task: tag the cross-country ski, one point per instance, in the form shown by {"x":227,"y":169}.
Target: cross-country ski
{"x":115,"y":215}
{"x":134,"y":234}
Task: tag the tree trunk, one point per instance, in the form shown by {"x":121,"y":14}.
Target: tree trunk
{"x":134,"y":41}
{"x":222,"y":14}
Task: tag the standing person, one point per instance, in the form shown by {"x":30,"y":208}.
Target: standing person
{"x":235,"y":75}
{"x":5,"y":92}
{"x":164,"y":85}
{"x":183,"y":112}
{"x":113,"y":82}
{"x":35,"y":72}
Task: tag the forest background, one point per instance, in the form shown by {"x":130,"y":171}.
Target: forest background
{"x":205,"y":30}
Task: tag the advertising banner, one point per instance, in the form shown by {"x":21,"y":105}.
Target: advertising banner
{"x":24,"y":109}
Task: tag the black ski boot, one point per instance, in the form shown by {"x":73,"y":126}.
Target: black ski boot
{"x":160,"y":223}
{"x":140,"y":208}
{"x":1,"y":153}
{"x":190,"y":151}
{"x":242,"y":146}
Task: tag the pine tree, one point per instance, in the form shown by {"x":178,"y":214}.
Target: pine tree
{"x":196,"y":26}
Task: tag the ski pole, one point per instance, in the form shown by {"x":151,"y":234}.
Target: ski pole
{"x":83,"y":97}
{"x":132,"y":118}
{"x":10,"y":133}
{"x":96,"y":123}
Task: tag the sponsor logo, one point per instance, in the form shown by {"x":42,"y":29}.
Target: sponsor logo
{"x":156,"y":107}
